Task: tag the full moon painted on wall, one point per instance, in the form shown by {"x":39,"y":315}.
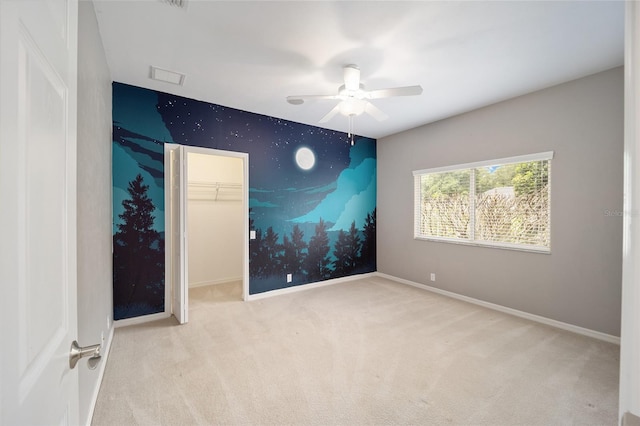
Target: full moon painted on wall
{"x":312,"y":196}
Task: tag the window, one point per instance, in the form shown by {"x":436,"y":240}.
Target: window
{"x":499,"y":203}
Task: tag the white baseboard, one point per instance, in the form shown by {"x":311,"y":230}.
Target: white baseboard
{"x":214,"y":282}
{"x":309,"y":286}
{"x":104,"y":352}
{"x":141,"y":319}
{"x":537,"y":318}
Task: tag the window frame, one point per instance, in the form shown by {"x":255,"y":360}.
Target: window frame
{"x":417,"y":202}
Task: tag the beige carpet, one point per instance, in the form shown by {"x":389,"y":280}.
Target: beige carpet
{"x":370,"y":351}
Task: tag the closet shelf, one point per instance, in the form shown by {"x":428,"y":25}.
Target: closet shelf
{"x":215,"y":191}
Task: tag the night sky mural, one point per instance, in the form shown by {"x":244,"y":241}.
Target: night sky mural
{"x":312,"y":196}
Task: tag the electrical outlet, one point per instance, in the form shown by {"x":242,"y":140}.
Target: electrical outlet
{"x":289,"y":278}
{"x":433,"y":276}
{"x":252,"y":235}
{"x":108,"y":322}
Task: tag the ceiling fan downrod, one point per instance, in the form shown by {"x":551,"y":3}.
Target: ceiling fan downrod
{"x":350,"y":131}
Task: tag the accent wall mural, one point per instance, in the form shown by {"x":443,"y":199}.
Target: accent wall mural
{"x":312,"y":196}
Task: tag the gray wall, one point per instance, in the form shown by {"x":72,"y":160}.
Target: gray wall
{"x":94,"y":197}
{"x":580,"y":281}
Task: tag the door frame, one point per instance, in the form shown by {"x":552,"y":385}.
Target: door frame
{"x":179,"y":290}
{"x":174,"y":201}
{"x":629,"y":390}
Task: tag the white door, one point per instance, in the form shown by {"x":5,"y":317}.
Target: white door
{"x":38,"y":66}
{"x":175,"y":195}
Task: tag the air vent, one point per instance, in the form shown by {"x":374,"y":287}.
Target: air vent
{"x":177,"y":3}
{"x":167,"y":76}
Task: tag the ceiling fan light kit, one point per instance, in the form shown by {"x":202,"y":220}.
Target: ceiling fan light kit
{"x":352,"y":106}
{"x":354,"y":98}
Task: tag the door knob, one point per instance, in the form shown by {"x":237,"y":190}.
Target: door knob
{"x":78,"y":352}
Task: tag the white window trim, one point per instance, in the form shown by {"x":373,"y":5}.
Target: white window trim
{"x":490,"y":244}
{"x":541,"y":156}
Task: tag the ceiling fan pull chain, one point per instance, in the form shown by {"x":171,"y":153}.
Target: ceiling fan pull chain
{"x":350,"y":128}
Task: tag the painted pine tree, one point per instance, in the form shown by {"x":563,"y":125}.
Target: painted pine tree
{"x":138,"y":255}
{"x":347,"y":251}
{"x":368,"y":251}
{"x":317,"y":262}
{"x":294,"y":252}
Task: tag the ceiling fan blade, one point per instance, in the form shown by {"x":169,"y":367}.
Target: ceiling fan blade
{"x":299,"y":100}
{"x":396,"y":91}
{"x":351,"y":77}
{"x":330,"y":114}
{"x":375,"y":112}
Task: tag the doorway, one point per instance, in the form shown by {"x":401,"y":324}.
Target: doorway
{"x":207,"y":221}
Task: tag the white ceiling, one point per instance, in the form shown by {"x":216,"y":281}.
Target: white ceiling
{"x":250,"y":55}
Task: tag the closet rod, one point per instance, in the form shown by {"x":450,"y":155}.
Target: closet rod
{"x":205,"y":188}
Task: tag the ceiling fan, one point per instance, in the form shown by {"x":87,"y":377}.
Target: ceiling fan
{"x":354,"y":98}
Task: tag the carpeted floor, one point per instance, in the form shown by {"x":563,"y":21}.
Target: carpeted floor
{"x":366,"y":352}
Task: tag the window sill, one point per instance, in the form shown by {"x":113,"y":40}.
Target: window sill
{"x":503,"y":246}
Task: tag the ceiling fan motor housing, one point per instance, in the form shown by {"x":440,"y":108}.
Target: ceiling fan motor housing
{"x":359,"y":93}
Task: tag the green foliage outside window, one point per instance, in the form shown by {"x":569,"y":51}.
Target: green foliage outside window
{"x":506,"y":203}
